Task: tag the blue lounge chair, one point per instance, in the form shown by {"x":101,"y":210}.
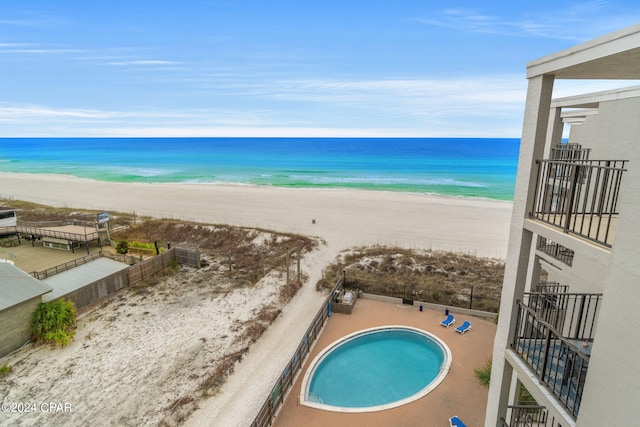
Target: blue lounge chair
{"x":450,"y":320}
{"x":464,"y":327}
{"x":456,"y":422}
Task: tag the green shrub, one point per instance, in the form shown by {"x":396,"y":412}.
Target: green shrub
{"x":484,"y":374}
{"x":5,"y":370}
{"x":122,"y":247}
{"x":53,"y":322}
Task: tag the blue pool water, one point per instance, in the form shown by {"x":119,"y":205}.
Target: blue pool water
{"x":377,"y":368}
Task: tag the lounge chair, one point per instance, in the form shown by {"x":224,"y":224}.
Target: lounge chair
{"x":456,"y":422}
{"x":450,"y":320}
{"x":464,"y":327}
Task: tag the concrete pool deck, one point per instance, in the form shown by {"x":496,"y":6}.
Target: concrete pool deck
{"x":459,"y":394}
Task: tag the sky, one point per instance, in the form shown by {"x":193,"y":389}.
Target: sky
{"x":284,"y":68}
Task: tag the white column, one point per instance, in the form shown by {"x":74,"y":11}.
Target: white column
{"x":534,"y":132}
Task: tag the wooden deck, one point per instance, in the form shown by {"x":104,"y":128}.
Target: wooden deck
{"x":38,"y":258}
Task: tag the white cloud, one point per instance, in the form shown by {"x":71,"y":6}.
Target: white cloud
{"x":416,"y":107}
{"x":41,"y":51}
{"x":475,"y":107}
{"x":576,"y":22}
{"x":144,"y":62}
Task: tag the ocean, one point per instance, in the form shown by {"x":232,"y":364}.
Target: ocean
{"x":462,"y":167}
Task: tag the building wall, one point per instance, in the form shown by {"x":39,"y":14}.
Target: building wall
{"x":611,"y":391}
{"x":613,"y":132}
{"x":15,"y":325}
{"x":610,"y":396}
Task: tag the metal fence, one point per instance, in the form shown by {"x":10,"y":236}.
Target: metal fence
{"x":556,"y":250}
{"x":528,"y":416}
{"x":476,"y":296}
{"x":581,"y":197}
{"x":285,"y":381}
{"x":550,"y":332}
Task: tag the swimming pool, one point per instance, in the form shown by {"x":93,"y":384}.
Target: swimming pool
{"x":375,"y":369}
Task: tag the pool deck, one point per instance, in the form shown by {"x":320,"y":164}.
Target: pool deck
{"x":459,"y":394}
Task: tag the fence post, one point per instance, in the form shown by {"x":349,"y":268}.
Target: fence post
{"x":287,"y":265}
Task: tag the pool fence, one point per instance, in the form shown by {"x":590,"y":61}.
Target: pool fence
{"x":285,"y":381}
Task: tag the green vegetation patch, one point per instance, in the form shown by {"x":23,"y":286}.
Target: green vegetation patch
{"x":54,"y":322}
{"x":484,"y":374}
{"x":5,"y":369}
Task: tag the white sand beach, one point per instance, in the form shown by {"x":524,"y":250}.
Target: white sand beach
{"x":341,"y":218}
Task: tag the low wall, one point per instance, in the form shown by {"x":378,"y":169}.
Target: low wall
{"x":436,"y":307}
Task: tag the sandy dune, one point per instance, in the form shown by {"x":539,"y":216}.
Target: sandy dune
{"x":341,"y":218}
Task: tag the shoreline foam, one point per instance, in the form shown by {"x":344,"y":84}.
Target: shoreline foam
{"x":343,"y":219}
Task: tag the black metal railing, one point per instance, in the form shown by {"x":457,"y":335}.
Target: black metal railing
{"x":580,"y":197}
{"x":528,"y":416}
{"x":555,"y":250}
{"x":285,"y":381}
{"x":551,"y":288}
{"x":554,"y":335}
{"x":570,"y":152}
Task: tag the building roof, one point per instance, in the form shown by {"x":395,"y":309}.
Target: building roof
{"x":614,"y":56}
{"x":16,"y":286}
{"x":68,"y":281}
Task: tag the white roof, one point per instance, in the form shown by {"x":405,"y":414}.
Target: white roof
{"x":16,"y":286}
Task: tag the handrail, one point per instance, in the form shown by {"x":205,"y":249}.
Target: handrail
{"x":66,"y":266}
{"x":547,"y":329}
{"x":579,"y":196}
{"x":551,"y":328}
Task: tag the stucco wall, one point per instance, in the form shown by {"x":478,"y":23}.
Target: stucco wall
{"x":611,"y":133}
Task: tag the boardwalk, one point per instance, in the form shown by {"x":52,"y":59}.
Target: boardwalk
{"x":459,"y":394}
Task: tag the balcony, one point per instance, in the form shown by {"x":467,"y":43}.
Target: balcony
{"x":579,"y":197}
{"x":570,"y":152}
{"x":554,"y":334}
{"x":528,"y":416}
{"x":555,"y":250}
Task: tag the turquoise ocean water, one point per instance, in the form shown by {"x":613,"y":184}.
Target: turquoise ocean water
{"x":466,"y":167}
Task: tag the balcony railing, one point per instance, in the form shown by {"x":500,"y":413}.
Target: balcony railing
{"x":570,"y":152}
{"x":551,"y":288}
{"x":553,"y":336}
{"x":556,"y":250}
{"x":528,"y":416}
{"x":580,"y":197}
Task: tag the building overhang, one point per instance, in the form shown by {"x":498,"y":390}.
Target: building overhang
{"x":614,"y":56}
